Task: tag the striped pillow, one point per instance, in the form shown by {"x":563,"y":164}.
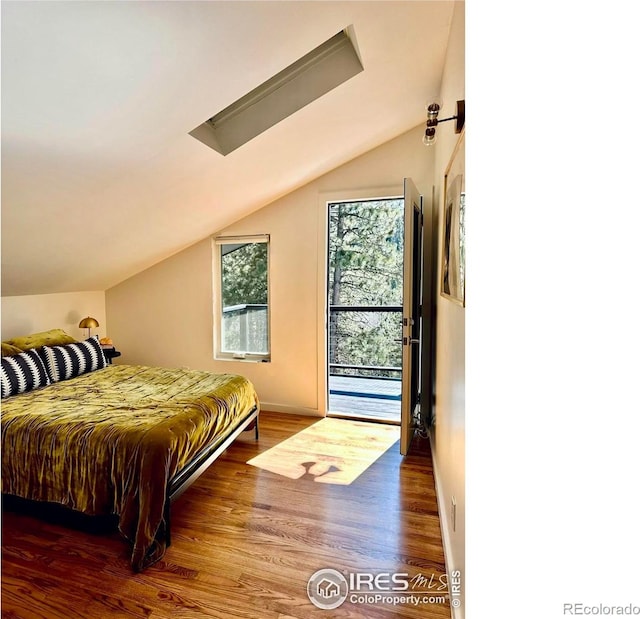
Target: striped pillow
{"x":22,"y":372}
{"x":71,"y":360}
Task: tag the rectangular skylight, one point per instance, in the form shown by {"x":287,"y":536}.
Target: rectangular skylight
{"x":321,"y":70}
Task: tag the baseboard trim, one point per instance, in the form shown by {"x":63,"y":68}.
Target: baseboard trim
{"x":290,"y":410}
{"x":443,"y":512}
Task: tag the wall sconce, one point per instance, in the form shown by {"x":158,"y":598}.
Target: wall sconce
{"x":89,"y":323}
{"x":433,"y":109}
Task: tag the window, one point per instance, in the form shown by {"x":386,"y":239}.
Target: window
{"x":241,"y":297}
{"x":321,"y":70}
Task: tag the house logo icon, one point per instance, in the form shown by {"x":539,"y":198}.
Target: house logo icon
{"x":327,"y":588}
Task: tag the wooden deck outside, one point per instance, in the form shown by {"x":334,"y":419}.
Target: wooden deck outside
{"x":367,"y":398}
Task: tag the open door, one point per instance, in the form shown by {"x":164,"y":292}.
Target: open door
{"x":411,"y":302}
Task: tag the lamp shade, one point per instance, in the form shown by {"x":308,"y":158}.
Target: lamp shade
{"x":88,"y":323}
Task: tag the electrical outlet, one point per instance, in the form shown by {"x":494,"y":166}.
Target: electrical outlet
{"x":453,"y":513}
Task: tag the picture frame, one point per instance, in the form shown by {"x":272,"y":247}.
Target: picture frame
{"x":453,"y":267}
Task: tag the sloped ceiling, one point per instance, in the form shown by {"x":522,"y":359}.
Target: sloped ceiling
{"x":100,"y":178}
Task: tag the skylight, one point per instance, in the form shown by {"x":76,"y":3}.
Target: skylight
{"x":330,"y":64}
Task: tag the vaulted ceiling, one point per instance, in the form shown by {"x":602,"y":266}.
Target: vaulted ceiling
{"x":100,"y":177}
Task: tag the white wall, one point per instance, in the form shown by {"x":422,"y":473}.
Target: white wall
{"x":22,"y":315}
{"x":448,"y":440}
{"x":163,"y":316}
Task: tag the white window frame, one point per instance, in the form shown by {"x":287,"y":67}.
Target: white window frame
{"x":218,"y":353}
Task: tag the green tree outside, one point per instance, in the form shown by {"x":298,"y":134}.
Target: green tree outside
{"x":366,"y":268}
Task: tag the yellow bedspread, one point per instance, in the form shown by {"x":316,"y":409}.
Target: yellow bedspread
{"x":107,"y":442}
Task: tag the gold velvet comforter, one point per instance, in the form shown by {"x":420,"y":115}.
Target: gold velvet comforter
{"x":109,"y":441}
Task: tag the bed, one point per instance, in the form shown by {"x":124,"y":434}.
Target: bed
{"x":116,"y":439}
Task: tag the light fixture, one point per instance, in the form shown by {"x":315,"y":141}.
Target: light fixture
{"x":433,"y":109}
{"x":89,"y":323}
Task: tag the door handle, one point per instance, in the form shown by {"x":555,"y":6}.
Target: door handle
{"x":406,"y":341}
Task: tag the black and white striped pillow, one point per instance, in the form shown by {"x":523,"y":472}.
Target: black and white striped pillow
{"x":71,"y":360}
{"x":22,"y":372}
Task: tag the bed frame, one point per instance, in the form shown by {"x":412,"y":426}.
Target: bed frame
{"x":175,"y":487}
{"x":201,"y":462}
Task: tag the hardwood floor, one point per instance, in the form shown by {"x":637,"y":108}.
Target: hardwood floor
{"x":244,"y":543}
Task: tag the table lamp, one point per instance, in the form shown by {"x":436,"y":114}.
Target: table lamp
{"x":89,"y":323}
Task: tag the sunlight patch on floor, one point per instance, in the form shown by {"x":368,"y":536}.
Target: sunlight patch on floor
{"x":331,"y":451}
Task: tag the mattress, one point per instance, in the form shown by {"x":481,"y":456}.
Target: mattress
{"x":110,"y":441}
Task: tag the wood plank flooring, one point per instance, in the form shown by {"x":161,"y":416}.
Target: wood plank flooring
{"x":244,"y":543}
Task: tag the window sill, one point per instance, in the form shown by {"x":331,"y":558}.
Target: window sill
{"x":248,"y":359}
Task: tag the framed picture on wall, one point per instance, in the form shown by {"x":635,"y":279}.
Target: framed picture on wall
{"x":452,"y":276}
